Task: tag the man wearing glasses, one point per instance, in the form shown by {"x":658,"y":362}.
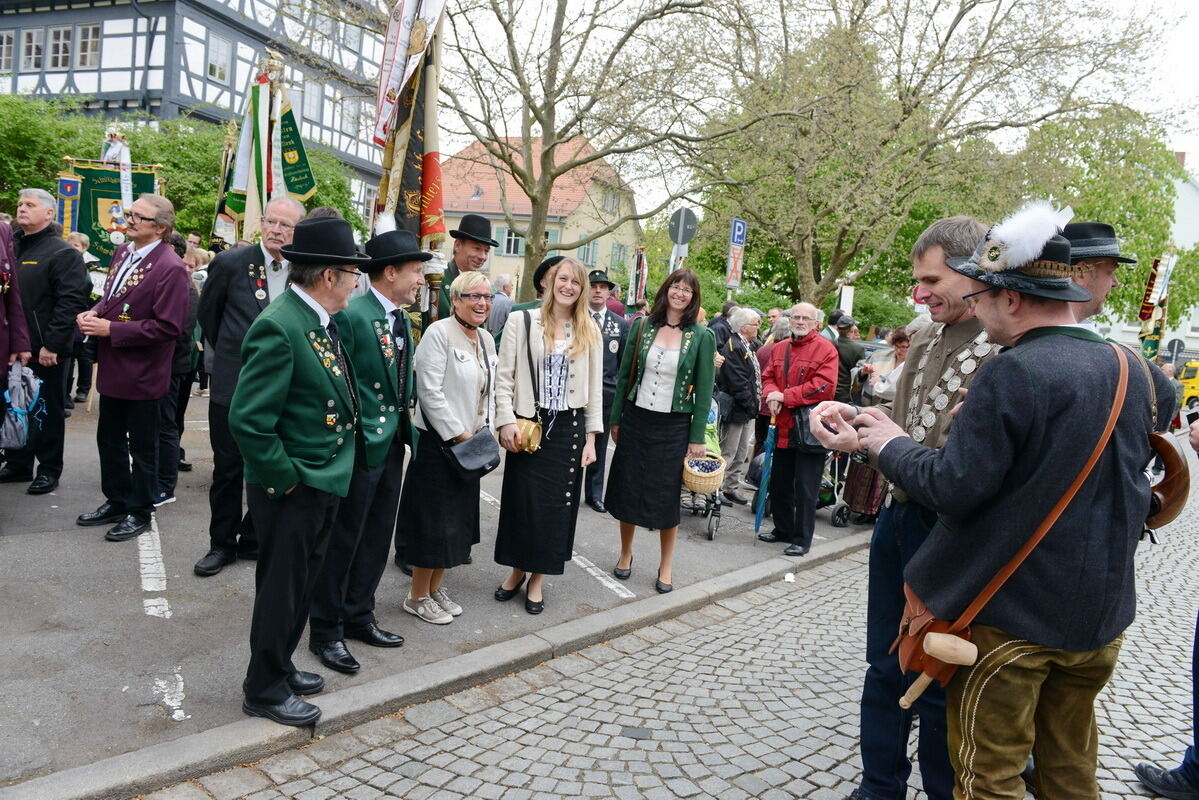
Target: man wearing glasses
{"x":136,"y":324}
{"x":241,"y":283}
{"x":295,"y":417}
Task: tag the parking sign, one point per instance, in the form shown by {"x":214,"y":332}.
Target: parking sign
{"x":737,"y":233}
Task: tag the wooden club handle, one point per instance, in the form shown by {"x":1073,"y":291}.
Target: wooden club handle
{"x":915,"y":690}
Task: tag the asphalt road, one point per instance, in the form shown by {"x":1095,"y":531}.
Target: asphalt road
{"x":110,"y":647}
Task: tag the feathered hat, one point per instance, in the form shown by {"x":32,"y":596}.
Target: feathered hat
{"x":1026,"y":253}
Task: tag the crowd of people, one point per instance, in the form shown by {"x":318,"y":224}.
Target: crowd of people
{"x":343,"y":438}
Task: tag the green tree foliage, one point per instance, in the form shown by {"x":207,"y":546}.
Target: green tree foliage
{"x":34,"y":137}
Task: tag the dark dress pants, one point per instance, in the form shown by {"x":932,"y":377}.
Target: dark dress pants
{"x":345,"y":591}
{"x":224,"y":496}
{"x":794,"y":486}
{"x":293,"y":533}
{"x":1190,"y":762}
{"x":885,"y":727}
{"x":47,"y":436}
{"x":181,"y":401}
{"x":168,"y":437}
{"x":593,"y":480}
{"x":127,"y":437}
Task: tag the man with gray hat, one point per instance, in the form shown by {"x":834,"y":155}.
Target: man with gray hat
{"x":1094,"y":260}
{"x":849,"y":352}
{"x":1049,"y":636}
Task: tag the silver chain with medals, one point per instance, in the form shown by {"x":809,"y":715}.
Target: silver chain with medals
{"x":923,"y":417}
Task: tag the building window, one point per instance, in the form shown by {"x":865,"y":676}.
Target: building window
{"x":351,"y":38}
{"x":8,"y":43}
{"x":220,"y":51}
{"x":87,"y":47}
{"x":589,"y":252}
{"x":514,"y":244}
{"x":60,"y":48}
{"x":31,"y":50}
{"x":611,"y":201}
{"x":314,"y":100}
{"x":351,"y":117}
{"x":620,"y":255}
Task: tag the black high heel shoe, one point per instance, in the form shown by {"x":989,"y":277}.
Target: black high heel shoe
{"x":623,"y":574}
{"x":504,"y":595}
{"x":662,"y":588}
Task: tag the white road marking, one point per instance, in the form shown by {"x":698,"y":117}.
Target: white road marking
{"x":153,"y":571}
{"x":169,"y":690}
{"x":591,"y":569}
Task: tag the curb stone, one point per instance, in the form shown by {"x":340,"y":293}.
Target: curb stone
{"x":127,"y":775}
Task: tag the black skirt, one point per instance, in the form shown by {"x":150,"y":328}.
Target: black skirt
{"x":439,"y":511}
{"x":647,"y":467}
{"x":539,"y":504}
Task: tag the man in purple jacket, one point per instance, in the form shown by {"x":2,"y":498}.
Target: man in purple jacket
{"x":136,"y":322}
{"x":14,"y":336}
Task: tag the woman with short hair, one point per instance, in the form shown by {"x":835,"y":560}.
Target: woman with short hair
{"x":455,"y":398}
{"x":550,"y":371}
{"x":659,"y":415}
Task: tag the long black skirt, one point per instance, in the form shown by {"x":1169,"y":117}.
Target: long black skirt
{"x":439,"y":511}
{"x":647,"y":467}
{"x":539,"y":504}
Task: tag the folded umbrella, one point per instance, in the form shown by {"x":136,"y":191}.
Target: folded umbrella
{"x":772,"y":434}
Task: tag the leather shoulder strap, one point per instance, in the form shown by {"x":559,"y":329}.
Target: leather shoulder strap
{"x":529,"y":355}
{"x":1011,"y":566}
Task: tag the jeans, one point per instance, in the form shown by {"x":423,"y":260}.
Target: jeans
{"x":885,"y":727}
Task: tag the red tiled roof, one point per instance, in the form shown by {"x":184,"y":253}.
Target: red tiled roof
{"x":471,"y":181}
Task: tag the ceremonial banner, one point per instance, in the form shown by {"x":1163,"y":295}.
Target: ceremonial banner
{"x":90,"y":201}
{"x":638,"y":272}
{"x":409,"y":31}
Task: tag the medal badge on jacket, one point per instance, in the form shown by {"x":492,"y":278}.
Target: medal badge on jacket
{"x":258,"y":275}
{"x":124,"y":315}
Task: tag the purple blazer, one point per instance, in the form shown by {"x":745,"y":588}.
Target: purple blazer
{"x":147,"y":315}
{"x":14,"y":335}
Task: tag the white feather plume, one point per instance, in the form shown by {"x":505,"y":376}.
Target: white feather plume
{"x":384,"y":223}
{"x":1024,"y":233}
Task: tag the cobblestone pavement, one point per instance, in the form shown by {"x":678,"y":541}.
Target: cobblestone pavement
{"x":755,"y":696}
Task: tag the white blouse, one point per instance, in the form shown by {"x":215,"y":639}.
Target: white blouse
{"x":657,"y":382}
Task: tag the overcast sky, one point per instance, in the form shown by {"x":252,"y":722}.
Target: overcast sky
{"x":1178,"y":78}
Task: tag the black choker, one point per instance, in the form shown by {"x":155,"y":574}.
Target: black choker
{"x":465,"y":324}
{"x":672,"y":325}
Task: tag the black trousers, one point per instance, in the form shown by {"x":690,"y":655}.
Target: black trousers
{"x":593,"y":477}
{"x":83,"y":355}
{"x":794,"y":485}
{"x":345,"y":591}
{"x":168,"y":437}
{"x":226,"y":521}
{"x":46,"y":437}
{"x":182,"y":399}
{"x":293,"y":534}
{"x":127,"y":436}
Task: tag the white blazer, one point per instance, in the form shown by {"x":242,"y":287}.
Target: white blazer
{"x":514,"y":385}
{"x":449,"y":380}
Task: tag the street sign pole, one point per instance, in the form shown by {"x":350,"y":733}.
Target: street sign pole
{"x":683,"y":224}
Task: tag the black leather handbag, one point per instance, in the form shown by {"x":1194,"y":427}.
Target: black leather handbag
{"x":802,"y":439}
{"x":476,"y":456}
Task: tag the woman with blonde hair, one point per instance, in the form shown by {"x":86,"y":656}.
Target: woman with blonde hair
{"x":455,"y":398}
{"x":551,"y":372}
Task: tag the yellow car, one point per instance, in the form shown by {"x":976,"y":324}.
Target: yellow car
{"x":1189,"y":376}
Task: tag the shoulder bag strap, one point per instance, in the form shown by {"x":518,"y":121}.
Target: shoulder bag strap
{"x":532,"y":368}
{"x":636,"y":337}
{"x":1008,"y":569}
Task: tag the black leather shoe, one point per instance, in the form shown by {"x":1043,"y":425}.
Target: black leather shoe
{"x":106,"y":514}
{"x":404,"y":566}
{"x":42,"y":484}
{"x":795,"y":550}
{"x":373,"y":635}
{"x":534,"y":608}
{"x":598,"y":506}
{"x":10,"y":475}
{"x":292,"y":711}
{"x":733,"y":497}
{"x":335,"y":656}
{"x":504,"y":595}
{"x":185,"y":466}
{"x":303,"y":683}
{"x":1166,"y":782}
{"x":127,"y":528}
{"x":68,"y":403}
{"x":623,"y":574}
{"x":662,"y":588}
{"x":771,"y":537}
{"x":212,"y":563}
{"x":81,"y":397}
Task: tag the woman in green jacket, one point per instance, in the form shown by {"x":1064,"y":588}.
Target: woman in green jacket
{"x":658,"y":418}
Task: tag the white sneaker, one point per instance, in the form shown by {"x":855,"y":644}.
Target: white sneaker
{"x":427,"y":609}
{"x":442,"y":598}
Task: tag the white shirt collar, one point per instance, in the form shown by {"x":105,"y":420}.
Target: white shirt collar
{"x":315,"y":306}
{"x":266,"y":254}
{"x":388,"y":306}
{"x":142,"y":252}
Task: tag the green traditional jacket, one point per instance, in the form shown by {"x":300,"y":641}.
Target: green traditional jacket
{"x":365,"y":330}
{"x":444,"y":304}
{"x":693,"y":384}
{"x":292,"y":415}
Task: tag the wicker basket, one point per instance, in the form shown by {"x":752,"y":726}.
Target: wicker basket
{"x":703,"y":482}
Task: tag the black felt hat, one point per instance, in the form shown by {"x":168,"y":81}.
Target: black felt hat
{"x":1089,"y":240}
{"x":599,"y":276}
{"x":393,"y":247}
{"x":323,"y":240}
{"x":542,"y":269}
{"x":475,"y":228}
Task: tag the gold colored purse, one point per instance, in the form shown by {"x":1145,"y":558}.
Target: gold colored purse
{"x":530,"y":429}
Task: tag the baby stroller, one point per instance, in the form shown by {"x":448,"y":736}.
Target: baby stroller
{"x":706,"y":501}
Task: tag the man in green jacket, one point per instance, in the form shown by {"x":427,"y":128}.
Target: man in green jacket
{"x":472,"y":246}
{"x":377,"y":334}
{"x":295,"y":418}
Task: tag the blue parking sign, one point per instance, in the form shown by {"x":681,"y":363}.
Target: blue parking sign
{"x":737,"y":234}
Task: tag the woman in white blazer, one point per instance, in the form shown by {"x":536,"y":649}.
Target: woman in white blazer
{"x":455,"y":368}
{"x":550,"y":370}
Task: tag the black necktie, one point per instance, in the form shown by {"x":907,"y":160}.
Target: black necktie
{"x":275,"y":265}
{"x":342,"y":363}
{"x":397,"y":338}
{"x":599,"y":320}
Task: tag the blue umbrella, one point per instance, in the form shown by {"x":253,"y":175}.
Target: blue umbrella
{"x":772,"y":433}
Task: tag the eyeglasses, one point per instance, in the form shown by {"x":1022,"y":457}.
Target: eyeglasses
{"x":353,"y":272}
{"x":803,"y":319}
{"x":136,"y":218}
{"x":681,"y":289}
{"x":474,"y":298}
{"x":278,"y":223}
{"x":967,"y":297}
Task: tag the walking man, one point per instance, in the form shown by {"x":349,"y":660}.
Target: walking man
{"x":614,"y":330}
{"x":295,"y":418}
{"x":740,"y":379}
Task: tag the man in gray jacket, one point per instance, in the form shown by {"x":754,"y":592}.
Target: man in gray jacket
{"x":1049,"y":638}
